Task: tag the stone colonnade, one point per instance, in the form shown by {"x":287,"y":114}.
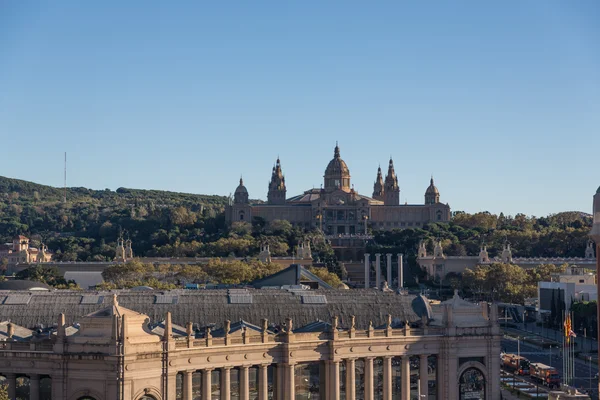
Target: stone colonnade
{"x":329,"y":387}
{"x":378,"y":276}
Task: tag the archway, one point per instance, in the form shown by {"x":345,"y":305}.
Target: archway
{"x":472,"y":384}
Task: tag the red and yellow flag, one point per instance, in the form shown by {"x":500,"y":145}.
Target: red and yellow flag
{"x":568,"y":328}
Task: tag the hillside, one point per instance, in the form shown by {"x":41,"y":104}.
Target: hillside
{"x":91,"y":220}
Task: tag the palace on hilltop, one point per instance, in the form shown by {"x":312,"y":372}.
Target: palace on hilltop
{"x":336,"y":208}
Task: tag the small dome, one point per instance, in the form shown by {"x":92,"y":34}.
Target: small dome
{"x":337,"y":166}
{"x":432,"y":189}
{"x":241,"y":188}
{"x":598,"y":191}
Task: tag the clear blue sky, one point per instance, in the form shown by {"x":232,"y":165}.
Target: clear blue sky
{"x":500,"y":101}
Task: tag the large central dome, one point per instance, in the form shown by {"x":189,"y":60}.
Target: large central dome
{"x":337,"y":174}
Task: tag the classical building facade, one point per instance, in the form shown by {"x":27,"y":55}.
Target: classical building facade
{"x":20,"y":252}
{"x":368,"y":344}
{"x":336,"y":208}
{"x":438,"y":265}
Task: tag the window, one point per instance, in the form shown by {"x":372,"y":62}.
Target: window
{"x":432,"y":376}
{"x":271,"y":381}
{"x":307,"y":381}
{"x":241,"y":215}
{"x":252,"y":383}
{"x":359,"y":379}
{"x":215,"y":384}
{"x":472,"y":384}
{"x":197,"y":385}
{"x":234,"y":383}
{"x":343,"y":380}
{"x":378,"y":378}
{"x":396,"y":378}
{"x":179,"y":386}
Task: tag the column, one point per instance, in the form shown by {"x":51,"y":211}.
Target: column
{"x":334,"y":380}
{"x":367,"y":270}
{"x":350,"y":379}
{"x":225,"y":383}
{"x":405,"y":377}
{"x":244,"y":388}
{"x":290,"y":382}
{"x":378,"y":271}
{"x":400,"y":271}
{"x":263,"y":382}
{"x":387,"y":378}
{"x":389,"y":268}
{"x":369,"y":378}
{"x":34,"y":387}
{"x":424,"y":376}
{"x":206,"y":384}
{"x":187,"y":385}
{"x":11,"y":379}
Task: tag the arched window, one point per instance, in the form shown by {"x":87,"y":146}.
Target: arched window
{"x":86,"y":398}
{"x":472,"y":385}
{"x":242,"y":215}
{"x":439,"y":215}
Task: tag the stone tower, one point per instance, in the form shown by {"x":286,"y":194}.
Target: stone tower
{"x":337,"y":174}
{"x":128,"y":250}
{"x":432,"y":194}
{"x":484,"y":258}
{"x":241,"y":194}
{"x":277,"y":188}
{"x":378,"y":190}
{"x":589,"y":251}
{"x":507,"y":254}
{"x":392,"y":190}
{"x":120,"y":251}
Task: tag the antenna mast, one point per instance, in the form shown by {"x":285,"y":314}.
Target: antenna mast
{"x":65,"y":187}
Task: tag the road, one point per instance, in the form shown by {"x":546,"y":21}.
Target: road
{"x":583,"y":370}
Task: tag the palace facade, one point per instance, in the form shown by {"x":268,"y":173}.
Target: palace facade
{"x":272,"y":344}
{"x":336,"y":208}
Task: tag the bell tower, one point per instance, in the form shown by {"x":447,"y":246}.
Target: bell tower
{"x":378,"y":191}
{"x":277,"y":190}
{"x":392,"y":190}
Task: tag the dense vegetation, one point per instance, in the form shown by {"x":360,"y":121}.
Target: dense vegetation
{"x":166,"y":224}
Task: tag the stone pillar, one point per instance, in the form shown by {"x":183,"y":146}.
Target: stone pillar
{"x":225,"y":383}
{"x":334,"y":380}
{"x":424,"y":376}
{"x":244,"y":383}
{"x":206,"y":383}
{"x":388,"y":262}
{"x":405,"y":378}
{"x":367,"y":270}
{"x":400,"y":271}
{"x":11,"y":379}
{"x":290,"y":383}
{"x":263,"y":382}
{"x":187,"y":385}
{"x":387,"y":378}
{"x":34,"y":387}
{"x":378,"y":271}
{"x":369,"y":392}
{"x":350,"y":376}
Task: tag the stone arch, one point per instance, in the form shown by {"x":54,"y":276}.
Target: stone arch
{"x":148,"y":392}
{"x":86,"y":394}
{"x":479,"y":367}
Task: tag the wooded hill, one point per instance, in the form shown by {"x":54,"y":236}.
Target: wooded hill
{"x":168,"y":224}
